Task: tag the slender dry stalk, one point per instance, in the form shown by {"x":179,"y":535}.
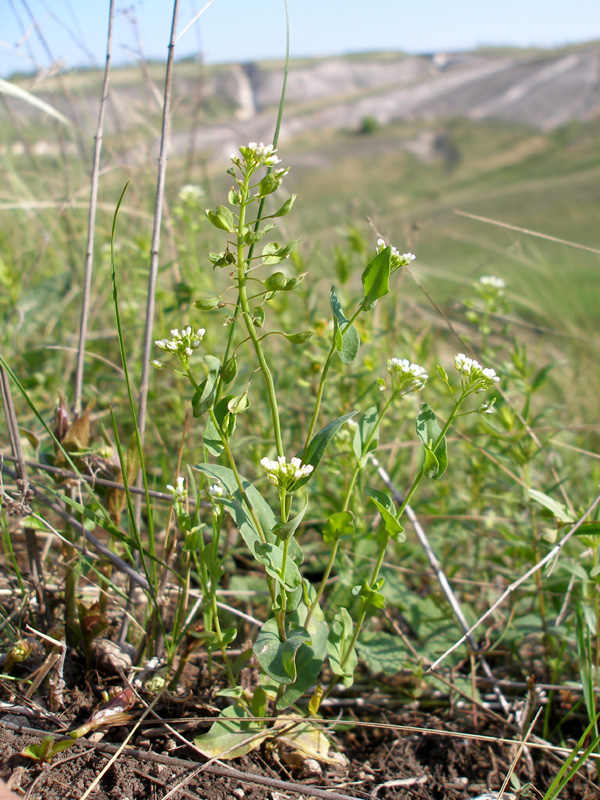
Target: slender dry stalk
{"x":89,"y":253}
{"x":153,"y":276}
{"x":33,"y":552}
{"x":155,"y":247}
{"x":58,"y":508}
{"x":78,"y":127}
{"x":528,"y":232}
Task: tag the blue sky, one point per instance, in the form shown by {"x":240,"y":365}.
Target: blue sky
{"x":241,"y":30}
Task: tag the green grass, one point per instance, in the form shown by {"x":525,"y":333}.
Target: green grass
{"x":484,"y":528}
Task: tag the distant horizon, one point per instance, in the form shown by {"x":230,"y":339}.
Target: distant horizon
{"x":40,"y":34}
{"x":157,"y":60}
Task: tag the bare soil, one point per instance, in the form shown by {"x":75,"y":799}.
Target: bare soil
{"x":430,"y":757}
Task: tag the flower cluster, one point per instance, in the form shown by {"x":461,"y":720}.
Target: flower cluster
{"x":256,"y":155}
{"x":191,"y":193}
{"x":492,"y":282}
{"x":183,"y":343}
{"x":284,"y":475}
{"x":216,"y":490}
{"x":178,"y":492}
{"x":406,"y":377}
{"x":491,"y":290}
{"x":397,"y":260}
{"x":474,"y":377}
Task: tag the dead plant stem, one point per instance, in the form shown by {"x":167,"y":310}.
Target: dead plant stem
{"x":89,"y":253}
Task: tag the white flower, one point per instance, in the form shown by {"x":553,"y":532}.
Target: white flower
{"x":397,"y":260}
{"x":406,"y":377}
{"x":182,"y":344}
{"x":258,"y":154}
{"x":190,"y":192}
{"x":492,"y":281}
{"x":474,"y":377}
{"x":216,"y":490}
{"x":283,"y":474}
{"x":179,"y":492}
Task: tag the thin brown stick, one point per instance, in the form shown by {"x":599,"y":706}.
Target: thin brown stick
{"x":31,"y":543}
{"x":155,"y":247}
{"x":93,"y":480}
{"x":82,"y":531}
{"x":527,"y":231}
{"x":89,"y":253}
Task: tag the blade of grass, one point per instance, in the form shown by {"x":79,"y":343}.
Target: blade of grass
{"x":571,"y":766}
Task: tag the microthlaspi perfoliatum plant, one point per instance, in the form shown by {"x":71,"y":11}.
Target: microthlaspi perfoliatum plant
{"x":300,"y":635}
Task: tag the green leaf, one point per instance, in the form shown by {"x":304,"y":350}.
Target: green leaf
{"x":234,"y":734}
{"x":340,"y":635}
{"x":227,"y":422}
{"x":350,"y":345}
{"x":370,"y":594}
{"x":240,"y":514}
{"x":277,"y":658}
{"x":431,"y":465}
{"x":559,"y":511}
{"x":339,"y":524}
{"x":222,"y":218}
{"x":259,"y":702}
{"x":47,"y":748}
{"x":286,"y":207}
{"x":271,"y":557}
{"x":429,"y":432}
{"x":385,"y":506}
{"x":347,"y":340}
{"x":319,"y":444}
{"x":376,"y":278}
{"x":366,"y":426}
{"x":285,"y":530}
{"x":205,"y":394}
{"x":310,"y":657}
{"x":382,"y":652}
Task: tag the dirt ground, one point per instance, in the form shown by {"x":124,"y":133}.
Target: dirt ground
{"x":384,"y":761}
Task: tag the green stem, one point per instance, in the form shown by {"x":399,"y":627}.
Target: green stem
{"x":381,"y":555}
{"x":349,"y":490}
{"x":243,"y":301}
{"x":261,"y":205}
{"x":222,"y":646}
{"x":321,"y":389}
{"x":238,"y":479}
